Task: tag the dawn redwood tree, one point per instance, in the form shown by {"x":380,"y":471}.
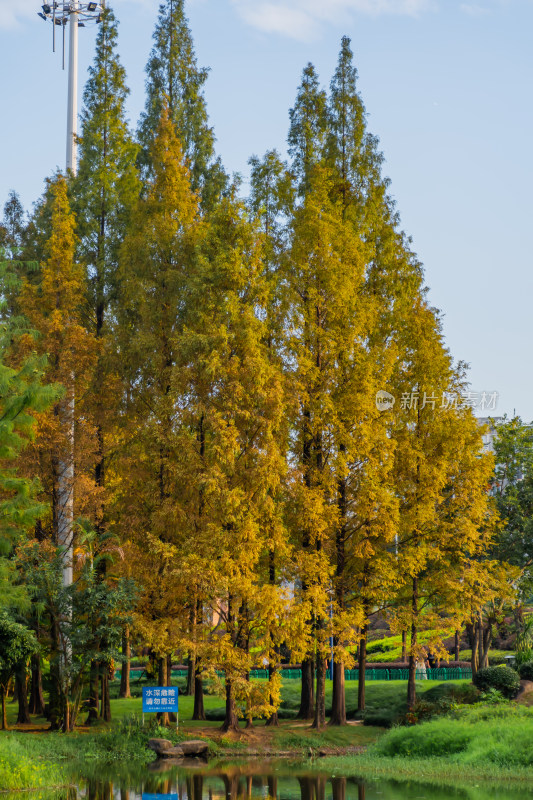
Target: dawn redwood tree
{"x":231,"y":464}
{"x":391,"y":286}
{"x":173,"y":79}
{"x":271,"y":200}
{"x":104,"y":192}
{"x":54,"y":306}
{"x":441,"y":478}
{"x":157,"y":257}
{"x":306,"y":139}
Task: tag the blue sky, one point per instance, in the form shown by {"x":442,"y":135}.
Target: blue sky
{"x":447,"y":85}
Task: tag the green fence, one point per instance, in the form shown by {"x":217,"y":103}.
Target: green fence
{"x":442,"y":674}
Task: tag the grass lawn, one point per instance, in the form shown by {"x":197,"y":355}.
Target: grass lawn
{"x":384,"y":699}
{"x":481,"y":741}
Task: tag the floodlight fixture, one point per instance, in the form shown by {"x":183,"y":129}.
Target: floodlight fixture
{"x":79,"y":13}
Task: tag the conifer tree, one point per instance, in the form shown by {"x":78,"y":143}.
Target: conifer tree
{"x":393,"y":272}
{"x":306,"y":144}
{"x":55,"y":309}
{"x":156,"y":260}
{"x":441,"y":481}
{"x":173,"y":78}
{"x":232,"y":463}
{"x":104,"y":192}
{"x":392,"y":285}
{"x":308,"y":128}
{"x":340,"y":443}
{"x":22,"y":397}
{"x":12,"y":226}
{"x":271,"y":199}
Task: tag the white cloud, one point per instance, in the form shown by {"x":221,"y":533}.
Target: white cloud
{"x":474,"y":10}
{"x":302,"y":19}
{"x":299,"y":19}
{"x":14,"y":11}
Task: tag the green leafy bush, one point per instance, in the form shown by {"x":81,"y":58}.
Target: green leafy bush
{"x":504,"y":679}
{"x":493,"y":697}
{"x":445,"y":740}
{"x":526,"y":671}
{"x":450,"y":692}
{"x":384,"y":645}
{"x":496,"y":736}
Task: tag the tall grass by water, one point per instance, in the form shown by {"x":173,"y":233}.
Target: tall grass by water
{"x":23,"y":765}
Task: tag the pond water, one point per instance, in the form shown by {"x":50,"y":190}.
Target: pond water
{"x":260,"y":781}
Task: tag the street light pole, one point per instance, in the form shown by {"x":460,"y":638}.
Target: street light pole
{"x":79,"y":14}
{"x":72,"y":108}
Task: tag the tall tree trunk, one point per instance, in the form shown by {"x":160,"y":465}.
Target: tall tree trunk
{"x":66,"y":711}
{"x":320,"y":702}
{"x":162,"y":716}
{"x":307,"y":691}
{"x":21,"y":678}
{"x":172,"y":716}
{"x":273,"y":719}
{"x":36,"y":692}
{"x":105,"y":700}
{"x":404,"y":646}
{"x":474,"y":662}
{"x":94,"y":695}
{"x":4,"y":714}
{"x":191,"y":658}
{"x":480,"y":639}
{"x":231,"y":721}
{"x":126,"y":661}
{"x":456,"y":646}
{"x":361,"y":684}
{"x":191,"y":671}
{"x":338,"y":708}
{"x":485,"y":641}
{"x":411,"y":683}
{"x":54,"y":695}
{"x":198,"y":711}
{"x":338,"y":704}
{"x":307,"y":697}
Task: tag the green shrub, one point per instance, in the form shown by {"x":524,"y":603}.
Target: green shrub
{"x":383,"y":645}
{"x":526,"y":671}
{"x":445,"y":740}
{"x":381,"y":718}
{"x":215,"y":714}
{"x":493,"y":697}
{"x":505,"y":679}
{"x":496,"y":736}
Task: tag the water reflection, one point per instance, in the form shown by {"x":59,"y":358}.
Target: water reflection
{"x":260,"y":781}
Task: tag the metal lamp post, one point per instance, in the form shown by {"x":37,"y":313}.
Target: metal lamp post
{"x":79,"y":15}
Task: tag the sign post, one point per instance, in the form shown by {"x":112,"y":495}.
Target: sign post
{"x":157,"y":699}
